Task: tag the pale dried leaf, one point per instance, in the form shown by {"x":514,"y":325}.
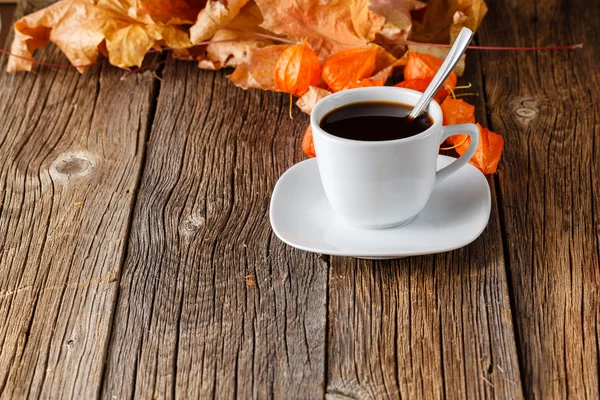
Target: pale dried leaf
{"x":329,"y":26}
{"x":128,"y":46}
{"x":228,"y":47}
{"x":259,"y":70}
{"x":79,"y":27}
{"x":307,"y":101}
{"x":214,"y":16}
{"x":57,"y":23}
{"x":398,"y":20}
{"x":469,"y":16}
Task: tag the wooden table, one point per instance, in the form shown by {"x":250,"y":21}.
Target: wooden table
{"x":137,"y":258}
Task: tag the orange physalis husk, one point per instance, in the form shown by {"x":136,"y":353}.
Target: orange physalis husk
{"x":421,"y":66}
{"x":308,"y":146}
{"x":457,"y":112}
{"x":365,"y":83}
{"x":421,"y":85}
{"x":297,"y":68}
{"x":348,"y":66}
{"x":488,"y":151}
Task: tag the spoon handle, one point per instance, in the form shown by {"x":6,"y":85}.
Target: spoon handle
{"x":457,"y":50}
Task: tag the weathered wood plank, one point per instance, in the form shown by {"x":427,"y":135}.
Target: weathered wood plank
{"x":6,"y":14}
{"x":211,"y":303}
{"x":548,"y":107}
{"x":425,"y":327}
{"x":71,"y":148}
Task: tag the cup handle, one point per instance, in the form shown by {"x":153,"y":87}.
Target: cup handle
{"x":473,"y":132}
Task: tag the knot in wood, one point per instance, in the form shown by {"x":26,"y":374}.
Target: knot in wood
{"x":72,"y":164}
{"x":526,"y":110}
{"x":192,"y":223}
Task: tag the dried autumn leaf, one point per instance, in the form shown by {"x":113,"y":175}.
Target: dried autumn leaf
{"x":385,"y":63}
{"x":384,"y":73}
{"x":489,"y":150}
{"x":398,"y":18}
{"x":421,"y":85}
{"x":444,"y":18}
{"x":383,"y":58}
{"x":128,"y":46}
{"x":469,"y":15}
{"x":348,"y":67}
{"x":172,"y":11}
{"x":308,"y":146}
{"x":421,"y":66}
{"x":154,"y":12}
{"x":297,"y":69}
{"x":233,"y":44}
{"x":55,"y":23}
{"x":329,"y":26}
{"x":216,"y":15}
{"x":80,"y":27}
{"x":307,"y":101}
{"x":257,"y":70}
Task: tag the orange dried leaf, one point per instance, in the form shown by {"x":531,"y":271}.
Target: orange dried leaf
{"x":456,"y":111}
{"x":308,"y":146}
{"x":421,"y":85}
{"x":348,"y":67}
{"x":297,"y":68}
{"x":489,"y":150}
{"x":421,"y":66}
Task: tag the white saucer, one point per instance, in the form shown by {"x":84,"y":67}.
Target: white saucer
{"x":456,"y":214}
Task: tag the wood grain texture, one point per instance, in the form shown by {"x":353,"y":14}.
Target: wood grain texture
{"x":6,"y":14}
{"x":547,"y":106}
{"x":425,"y":327}
{"x":70,"y":154}
{"x":212,"y":304}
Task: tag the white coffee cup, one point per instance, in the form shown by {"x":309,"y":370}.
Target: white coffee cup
{"x":387,"y":183}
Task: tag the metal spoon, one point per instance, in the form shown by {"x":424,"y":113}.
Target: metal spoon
{"x":457,"y":50}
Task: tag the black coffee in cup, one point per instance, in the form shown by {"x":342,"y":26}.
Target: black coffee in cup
{"x":374,"y":121}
